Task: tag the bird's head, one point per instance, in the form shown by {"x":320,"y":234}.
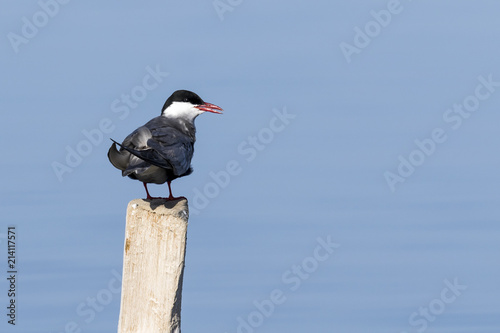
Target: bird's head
{"x":188,"y":105}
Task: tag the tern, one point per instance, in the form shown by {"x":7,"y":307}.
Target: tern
{"x":161,"y":150}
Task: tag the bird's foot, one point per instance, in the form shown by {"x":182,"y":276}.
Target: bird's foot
{"x":170,"y":198}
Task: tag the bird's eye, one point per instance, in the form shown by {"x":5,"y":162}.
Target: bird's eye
{"x":185,"y":99}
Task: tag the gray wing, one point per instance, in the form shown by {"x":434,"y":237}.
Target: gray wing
{"x":157,"y":143}
{"x":122,"y":159}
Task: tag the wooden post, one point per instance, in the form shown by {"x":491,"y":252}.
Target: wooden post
{"x":153,"y":266}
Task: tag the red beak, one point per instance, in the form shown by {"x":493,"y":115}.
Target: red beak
{"x":209,"y":107}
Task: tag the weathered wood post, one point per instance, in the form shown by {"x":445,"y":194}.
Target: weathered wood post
{"x":153,"y":266}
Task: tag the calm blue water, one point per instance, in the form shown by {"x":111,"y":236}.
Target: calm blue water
{"x":324,"y":103}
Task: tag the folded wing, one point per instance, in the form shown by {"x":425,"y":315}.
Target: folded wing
{"x":156,"y":143}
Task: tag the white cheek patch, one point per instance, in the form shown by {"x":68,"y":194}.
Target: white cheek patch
{"x":181,"y":110}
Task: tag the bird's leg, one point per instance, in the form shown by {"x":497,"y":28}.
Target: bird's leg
{"x":170,"y":196}
{"x":147,"y":192}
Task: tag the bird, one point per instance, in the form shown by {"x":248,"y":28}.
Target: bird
{"x":161,"y":150}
